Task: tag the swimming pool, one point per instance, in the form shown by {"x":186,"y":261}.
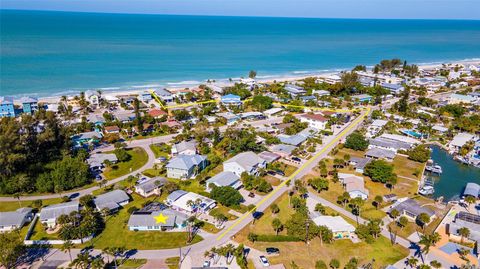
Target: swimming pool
{"x":412,"y":133}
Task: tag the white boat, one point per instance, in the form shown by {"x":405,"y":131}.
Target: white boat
{"x":437,"y":169}
{"x":427,"y":190}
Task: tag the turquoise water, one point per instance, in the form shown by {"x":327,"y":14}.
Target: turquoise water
{"x":455,"y":175}
{"x":47,"y":53}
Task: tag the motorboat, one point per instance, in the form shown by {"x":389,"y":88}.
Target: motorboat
{"x":427,"y":190}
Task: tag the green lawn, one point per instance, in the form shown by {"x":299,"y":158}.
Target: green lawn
{"x":116,"y":232}
{"x":161,"y":150}
{"x":224,"y":210}
{"x":172,"y":262}
{"x":39,"y":233}
{"x":12,"y":206}
{"x":132,"y":263}
{"x":138,"y":159}
{"x":305,"y":256}
{"x":407,"y":168}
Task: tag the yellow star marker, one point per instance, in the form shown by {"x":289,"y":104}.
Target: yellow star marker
{"x":161,"y":218}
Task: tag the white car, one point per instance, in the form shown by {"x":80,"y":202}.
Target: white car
{"x":264,"y":261}
{"x":206,"y":264}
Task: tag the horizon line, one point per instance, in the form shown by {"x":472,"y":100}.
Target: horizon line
{"x":237,"y":16}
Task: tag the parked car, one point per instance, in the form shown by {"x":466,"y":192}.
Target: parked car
{"x":271,"y":172}
{"x":296,"y":159}
{"x":251,"y":195}
{"x":264,"y":261}
{"x":280,"y":172}
{"x":206,"y":264}
{"x":272,"y":251}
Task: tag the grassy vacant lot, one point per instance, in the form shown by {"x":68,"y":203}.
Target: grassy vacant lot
{"x":407,"y":168}
{"x":224,"y":210}
{"x":12,"y":206}
{"x":116,"y":232}
{"x":172,"y":262}
{"x":138,"y":159}
{"x":305,"y":256}
{"x":161,"y":150}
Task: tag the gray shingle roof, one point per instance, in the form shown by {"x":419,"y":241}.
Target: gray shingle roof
{"x":284,"y":148}
{"x":148,"y":218}
{"x":224,"y":178}
{"x":55,"y":211}
{"x":380,"y":153}
{"x":294,"y":140}
{"x":151,"y":184}
{"x":14,"y":218}
{"x":472,"y":189}
{"x":387,"y":143}
{"x":111,"y":200}
{"x":247,"y":160}
{"x":413,"y":207}
{"x":185,"y":145}
{"x":175,"y":195}
{"x":185,"y":161}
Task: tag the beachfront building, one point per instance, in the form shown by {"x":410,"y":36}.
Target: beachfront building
{"x":13,"y":220}
{"x":145,"y":96}
{"x":354,"y":185}
{"x":330,"y":79}
{"x":164,"y":219}
{"x":340,"y":228}
{"x":315,"y":121}
{"x":7,"y":109}
{"x":50,"y":214}
{"x":151,"y":186}
{"x":190,"y":202}
{"x":29,"y":104}
{"x":295,"y":90}
{"x":164,"y":95}
{"x":184,"y":148}
{"x":248,"y":162}
{"x":111,"y":201}
{"x":460,"y":140}
{"x":224,"y":179}
{"x":231,"y":99}
{"x":186,"y":166}
{"x":92,"y":97}
{"x":411,"y":209}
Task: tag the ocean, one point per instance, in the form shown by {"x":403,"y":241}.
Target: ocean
{"x":54,"y":53}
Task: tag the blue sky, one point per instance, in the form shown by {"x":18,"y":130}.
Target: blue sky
{"x":384,"y":9}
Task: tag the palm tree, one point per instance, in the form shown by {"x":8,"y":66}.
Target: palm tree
{"x":412,"y":262}
{"x":117,"y":252}
{"x":17,"y":196}
{"x":108,"y":252}
{"x":436,"y":264}
{"x":67,"y":247}
{"x":277,"y":225}
{"x":463,"y":232}
{"x":428,"y":241}
{"x":97,"y":263}
{"x":82,"y":261}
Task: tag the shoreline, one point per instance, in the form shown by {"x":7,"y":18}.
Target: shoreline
{"x":175,"y":86}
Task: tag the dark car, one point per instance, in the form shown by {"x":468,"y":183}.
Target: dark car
{"x":296,"y":159}
{"x":272,"y":251}
{"x":272,"y":173}
{"x":251,"y":195}
{"x":280,"y":172}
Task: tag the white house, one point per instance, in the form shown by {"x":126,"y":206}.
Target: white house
{"x":185,"y":148}
{"x":224,"y":179}
{"x":10,"y":221}
{"x":161,"y":220}
{"x":460,"y":140}
{"x":248,"y":162}
{"x":49,"y":214}
{"x":186,"y":166}
{"x":150,"y":186}
{"x":354,"y":185}
{"x":315,"y":121}
{"x":190,"y":202}
{"x":112,"y":200}
{"x":339,"y":227}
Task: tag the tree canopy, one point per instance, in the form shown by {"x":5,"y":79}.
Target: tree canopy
{"x":356,"y":141}
{"x":226,"y":196}
{"x":380,"y":171}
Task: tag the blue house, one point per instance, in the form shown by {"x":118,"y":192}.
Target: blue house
{"x":6,"y":107}
{"x":29,"y":104}
{"x":362,"y":98}
{"x":231,"y":99}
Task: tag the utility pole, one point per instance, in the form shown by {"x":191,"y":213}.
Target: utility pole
{"x":307,"y":225}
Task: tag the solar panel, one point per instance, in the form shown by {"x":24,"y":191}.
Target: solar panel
{"x":465,"y":216}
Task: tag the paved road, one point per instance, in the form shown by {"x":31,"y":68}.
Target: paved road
{"x":233,"y":227}
{"x":143,"y":143}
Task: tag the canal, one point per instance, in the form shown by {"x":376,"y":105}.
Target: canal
{"x":455,"y":176}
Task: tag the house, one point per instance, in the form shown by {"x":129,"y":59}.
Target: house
{"x":111,"y":99}
{"x":359,"y":163}
{"x":125,"y":117}
{"x":92,"y":97}
{"x":472,"y":189}
{"x":231,"y":99}
{"x":354,"y":185}
{"x":164,"y":95}
{"x":49,"y":214}
{"x":460,"y":140}
{"x":340,"y":228}
{"x":411,"y":209}
{"x":330,"y":79}
{"x":156,"y":113}
{"x":393,"y":88}
{"x":111,"y":129}
{"x":162,"y":220}
{"x":321,"y":93}
{"x":307,"y":98}
{"x":86,"y":138}
{"x":230,"y":117}
{"x":248,"y":162}
{"x":190,"y":202}
{"x":465,"y":220}
{"x":252,"y":115}
{"x":294,"y":140}
{"x":215,"y":88}
{"x":315,"y":121}
{"x":455,"y":98}
{"x":272,"y":111}
{"x":362,"y":98}
{"x":378,"y":153}
{"x":186,"y":166}
{"x":150,"y":186}
{"x":12,"y":220}
{"x":440,"y":128}
{"x":224,"y":179}
{"x":391,"y":197}
{"x":7,"y":109}
{"x":145,"y":96}
{"x":29,"y":104}
{"x":96,"y":119}
{"x":268,"y":156}
{"x":97,"y":160}
{"x":112,"y":201}
{"x":185,"y":148}
{"x":376,"y":127}
{"x":283,"y":150}
{"x":294,"y":90}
